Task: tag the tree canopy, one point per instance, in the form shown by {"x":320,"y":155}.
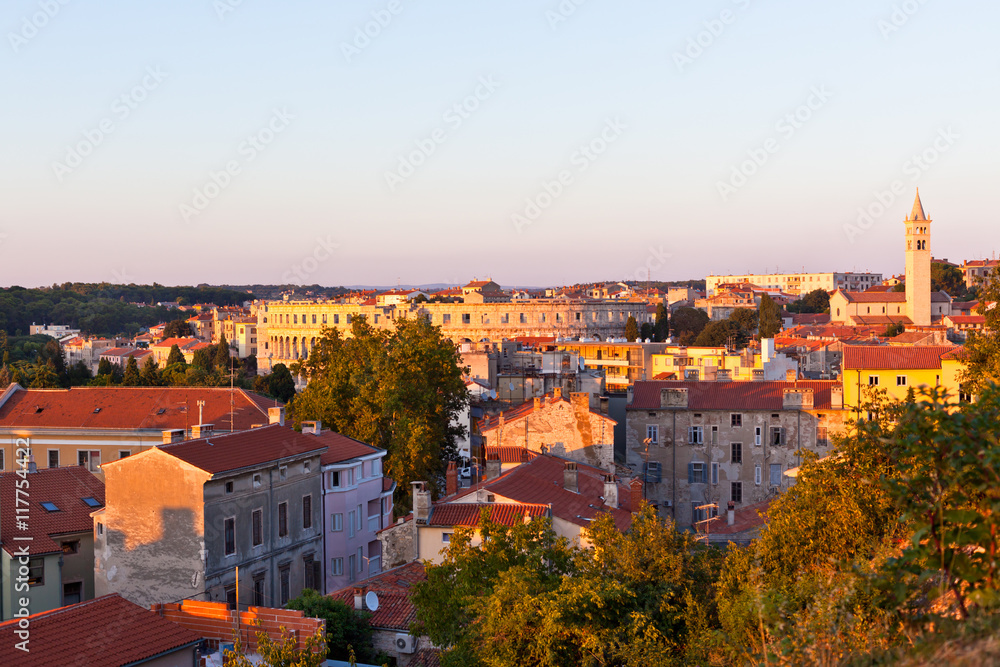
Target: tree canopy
{"x":816,"y":301}
{"x":769,"y":317}
{"x":686,"y":324}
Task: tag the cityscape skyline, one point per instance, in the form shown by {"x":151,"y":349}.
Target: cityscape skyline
{"x":229,"y":143}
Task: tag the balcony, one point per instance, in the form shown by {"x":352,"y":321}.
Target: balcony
{"x":373,"y":524}
{"x":605,"y":362}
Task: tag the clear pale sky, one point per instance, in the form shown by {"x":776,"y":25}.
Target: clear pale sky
{"x":340,"y":113}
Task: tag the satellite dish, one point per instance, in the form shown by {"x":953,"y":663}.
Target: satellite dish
{"x":371,"y":601}
{"x":511,"y":385}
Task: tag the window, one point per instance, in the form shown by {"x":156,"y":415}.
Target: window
{"x":736,"y":420}
{"x":283,"y":472}
{"x":258,"y":590}
{"x":313,"y":578}
{"x":71,"y":547}
{"x":314,"y":319}
{"x":284,"y":584}
{"x":335,"y":479}
{"x":230,"y":531}
{"x":695,"y":435}
{"x":652,"y":472}
{"x":446,"y":318}
{"x":446,"y":537}
{"x":36,"y":572}
{"x":756,"y":475}
{"x":53,"y":458}
{"x":377,"y":468}
{"x":697,"y":474}
{"x":350,"y":523}
{"x":336,"y":522}
{"x":777,"y":436}
{"x":466,"y":318}
{"x":872,"y":380}
{"x":361,"y":560}
{"x":775,"y":474}
{"x":124,"y":453}
{"x":360,"y":517}
{"x":100,"y":528}
{"x":715,"y":473}
{"x":72,"y":592}
{"x":90,"y":501}
{"x":258,"y":527}
{"x":653,"y":433}
{"x":352,"y":563}
{"x":736,"y":492}
{"x":715,"y":435}
{"x":900,"y":380}
{"x":757,"y":435}
{"x":229,"y":487}
{"x":231,"y":597}
{"x":256,"y":481}
{"x":89,"y":459}
{"x":336,"y":319}
{"x":307,"y":511}
{"x":736,"y":450}
{"x":822,"y":436}
{"x":49,"y":507}
{"x":282,"y":519}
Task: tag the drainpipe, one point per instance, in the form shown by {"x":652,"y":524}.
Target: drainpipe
{"x":673,"y":469}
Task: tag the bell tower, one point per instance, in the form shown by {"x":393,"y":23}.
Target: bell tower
{"x":918,"y":265}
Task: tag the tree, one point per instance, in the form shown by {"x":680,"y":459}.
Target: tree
{"x":203,"y":359}
{"x":947,"y":278}
{"x":746,"y":318}
{"x":661,"y":329}
{"x":79,"y":374}
{"x":769,"y":317}
{"x":647,"y":331}
{"x":175,"y":356}
{"x":279,"y":383}
{"x":686,"y":324}
{"x":150,"y":376}
{"x":283,"y":653}
{"x":221,"y":359}
{"x":177,"y":329}
{"x":45,"y":377}
{"x":723,"y":333}
{"x":105,"y":367}
{"x":131,"y":376}
{"x":631,"y":329}
{"x":346,"y":628}
{"x":893,"y":330}
{"x":816,"y":301}
{"x":982,"y":348}
{"x":401,"y":391}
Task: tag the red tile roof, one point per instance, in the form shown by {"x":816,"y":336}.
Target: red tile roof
{"x":509,"y":453}
{"x":745,"y":518}
{"x":183,"y":343}
{"x":388,"y":484}
{"x":108,"y":631}
{"x":395,"y":611}
{"x":341,"y":448}
{"x":731,"y":395}
{"x":425,"y":657}
{"x":810,"y":318}
{"x":874,"y":297}
{"x":870,"y":357}
{"x":469,"y":514}
{"x":244,"y":449}
{"x":132,"y":408}
{"x":967,"y":319}
{"x":64,"y":487}
{"x":540,"y":482}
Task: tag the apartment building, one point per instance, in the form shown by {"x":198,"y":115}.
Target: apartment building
{"x":799,"y":283}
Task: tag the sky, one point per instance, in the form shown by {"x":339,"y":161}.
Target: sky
{"x":541,"y":142}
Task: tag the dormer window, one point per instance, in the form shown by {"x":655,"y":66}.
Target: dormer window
{"x":49,"y":507}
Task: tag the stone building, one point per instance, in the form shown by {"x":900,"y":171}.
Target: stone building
{"x":699,"y":443}
{"x":180,"y":519}
{"x":288,"y":330}
{"x":556,"y":425}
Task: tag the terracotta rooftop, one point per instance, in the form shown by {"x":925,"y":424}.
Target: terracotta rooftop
{"x":967,"y":319}
{"x":508,"y":453}
{"x":65,"y":489}
{"x":731,"y":395}
{"x":870,"y":357}
{"x":244,"y":449}
{"x":469,"y":514}
{"x":395,"y":611}
{"x":132,"y":408}
{"x":108,"y":631}
{"x":810,"y":318}
{"x":874,"y":297}
{"x":745,"y":518}
{"x":341,"y":448}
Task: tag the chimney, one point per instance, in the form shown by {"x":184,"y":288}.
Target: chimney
{"x":538,"y":403}
{"x":797,"y":399}
{"x":731,"y":513}
{"x":202,"y":430}
{"x":570,"y":476}
{"x":605,"y":400}
{"x":837,"y":397}
{"x":557,"y":393}
{"x":313,"y":427}
{"x":173,"y":435}
{"x":610,"y":491}
{"x":676,"y":397}
{"x":493,"y":468}
{"x":451,"y":479}
{"x":359,"y":599}
{"x":791,"y":375}
{"x":635,"y":490}
{"x":421,"y":502}
{"x":276,"y":416}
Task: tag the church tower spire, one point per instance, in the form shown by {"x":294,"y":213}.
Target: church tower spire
{"x":918,"y":265}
